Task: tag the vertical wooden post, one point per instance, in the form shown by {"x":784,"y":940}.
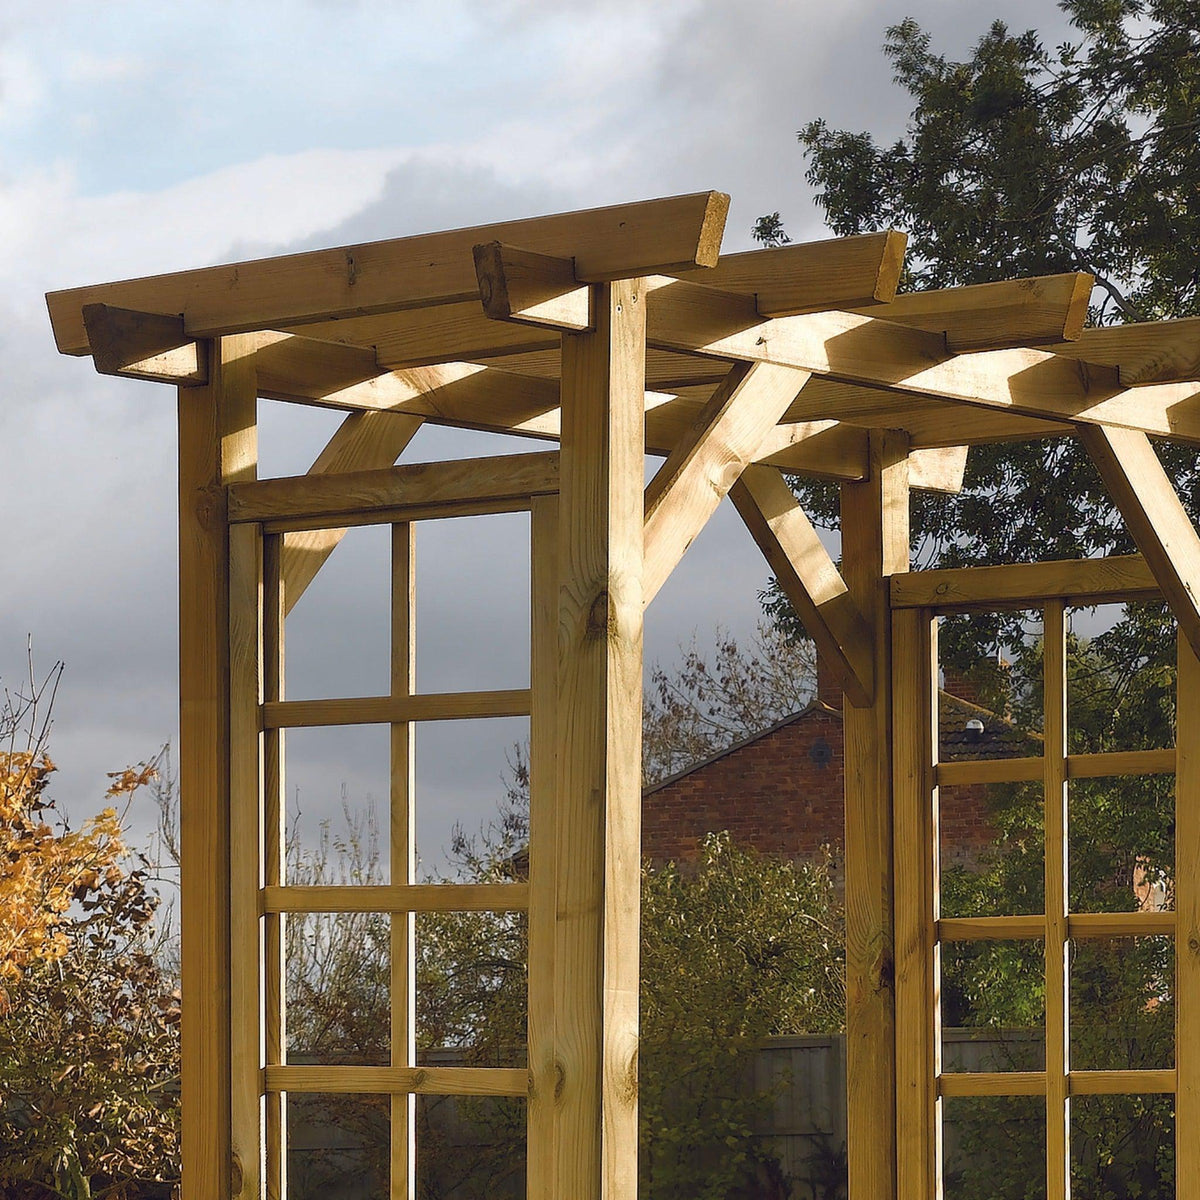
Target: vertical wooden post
{"x":599,"y":749}
{"x":246,"y":1042}
{"x":403,"y":862}
{"x":1058,"y":1141}
{"x":875,"y":545}
{"x":918,"y":1048}
{"x":274,"y":860}
{"x":542,"y":846}
{"x":1187,"y":921}
{"x":217,"y":445}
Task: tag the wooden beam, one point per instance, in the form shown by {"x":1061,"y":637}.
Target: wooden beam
{"x":397,"y":898}
{"x":606,"y":243}
{"x":1082,"y":581}
{"x":416,"y":337}
{"x":914,"y":763}
{"x":875,"y":546}
{"x":939,"y":470}
{"x":274,"y":857}
{"x":808,"y":578}
{"x":930,"y":422}
{"x":537,"y":289}
{"x":1057,"y":947}
{"x":143,"y":345}
{"x":417,"y":485}
{"x":247,"y":997}
{"x":843,"y":272}
{"x":383,"y":1081}
{"x":1187,"y":915}
{"x":540,"y":1157}
{"x":1147,"y":352}
{"x":707,"y":462}
{"x":390,"y":710}
{"x":363,"y":441}
{"x":402,"y":857}
{"x":598,"y":794}
{"x":1154,"y":517}
{"x":217,"y":446}
{"x":860,"y":349}
{"x":1038,"y":311}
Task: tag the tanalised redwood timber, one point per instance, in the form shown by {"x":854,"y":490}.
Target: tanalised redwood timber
{"x":403,"y":333}
{"x":218,"y":445}
{"x":875,"y":546}
{"x":1187,"y":909}
{"x":599,"y":751}
{"x":606,"y":243}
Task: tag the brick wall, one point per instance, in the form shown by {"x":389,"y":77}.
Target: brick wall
{"x":782,"y":793}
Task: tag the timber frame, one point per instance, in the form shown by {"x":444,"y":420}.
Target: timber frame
{"x":615,"y":333}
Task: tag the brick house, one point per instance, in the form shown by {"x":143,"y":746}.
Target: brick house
{"x":781,"y":791}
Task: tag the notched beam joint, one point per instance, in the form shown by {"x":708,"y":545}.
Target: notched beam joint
{"x":142,"y":345}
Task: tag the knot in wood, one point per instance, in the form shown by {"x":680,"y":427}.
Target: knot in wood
{"x":1194,"y":943}
{"x":210,"y":508}
{"x":597,"y":620}
{"x":237,"y":1177}
{"x":560,"y":1080}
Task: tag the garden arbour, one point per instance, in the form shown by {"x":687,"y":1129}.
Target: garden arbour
{"x":620,"y":332}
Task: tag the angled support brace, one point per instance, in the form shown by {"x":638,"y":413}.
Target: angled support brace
{"x":707,"y":461}
{"x":363,"y":442}
{"x":809,"y":578}
{"x":1154,"y":515}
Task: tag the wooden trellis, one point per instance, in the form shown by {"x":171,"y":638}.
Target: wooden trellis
{"x":620,"y":332}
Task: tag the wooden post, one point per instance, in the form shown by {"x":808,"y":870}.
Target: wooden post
{"x":599,"y":749}
{"x":540,"y":1154}
{"x":274,"y":860}
{"x":217,"y":445}
{"x":875,"y":545}
{"x":246,"y":1042}
{"x":1058,"y":1141}
{"x":918,"y":1049}
{"x":403,"y":862}
{"x":1187,"y":919}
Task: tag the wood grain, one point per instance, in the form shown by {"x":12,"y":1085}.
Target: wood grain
{"x":217,"y":446}
{"x":599,"y":750}
{"x":875,"y":545}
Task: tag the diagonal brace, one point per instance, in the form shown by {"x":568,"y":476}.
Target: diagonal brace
{"x":363,"y":441}
{"x":1154,"y":515}
{"x":724,"y":439}
{"x":809,"y":578}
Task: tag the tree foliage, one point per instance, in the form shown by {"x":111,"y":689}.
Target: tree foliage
{"x":89,"y":1049}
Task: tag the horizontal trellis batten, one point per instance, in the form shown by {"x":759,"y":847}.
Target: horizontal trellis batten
{"x":395,"y":898}
{"x":390,"y":710}
{"x":619,"y":332}
{"x":424,"y":1081}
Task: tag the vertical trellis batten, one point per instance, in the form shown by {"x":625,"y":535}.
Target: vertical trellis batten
{"x":914,"y":762}
{"x":540,"y":1169}
{"x":245,"y":862}
{"x":402,"y":840}
{"x":1187,"y":920}
{"x":274,"y":858}
{"x":1058,"y":1140}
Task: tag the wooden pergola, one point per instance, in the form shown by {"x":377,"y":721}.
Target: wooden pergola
{"x":618,"y":332}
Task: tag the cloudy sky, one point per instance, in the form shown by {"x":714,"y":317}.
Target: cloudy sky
{"x":140,"y":137}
